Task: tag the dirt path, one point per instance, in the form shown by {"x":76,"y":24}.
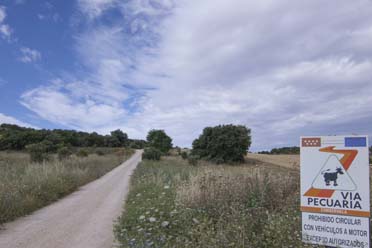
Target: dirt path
{"x":83,"y":219}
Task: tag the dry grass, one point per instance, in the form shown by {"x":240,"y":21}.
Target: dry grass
{"x":25,"y":186}
{"x":287,"y":161}
{"x":225,"y":186}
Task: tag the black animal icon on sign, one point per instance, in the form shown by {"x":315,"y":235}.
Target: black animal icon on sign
{"x":332,"y":176}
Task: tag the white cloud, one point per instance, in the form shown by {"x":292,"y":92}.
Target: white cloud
{"x":2,"y":14}
{"x":94,"y":8}
{"x":5,"y":30}
{"x":29,"y":55}
{"x":11,"y":120}
{"x":284,"y":68}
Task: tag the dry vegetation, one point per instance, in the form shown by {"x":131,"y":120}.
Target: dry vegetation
{"x":25,"y":186}
{"x":288,"y":161}
{"x":173,"y":204}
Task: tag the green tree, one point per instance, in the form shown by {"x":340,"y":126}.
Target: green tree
{"x":121,"y":137}
{"x":13,"y":137}
{"x":223,"y":143}
{"x":286,"y":150}
{"x":159,"y":140}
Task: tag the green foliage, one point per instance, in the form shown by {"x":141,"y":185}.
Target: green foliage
{"x":13,"y":137}
{"x":82,"y":153}
{"x":64,"y":153}
{"x":119,"y":138}
{"x":159,"y":140}
{"x":184,"y":155}
{"x":193,"y":160}
{"x":151,"y":153}
{"x":38,"y":152}
{"x":223,"y":144}
{"x":284,"y":150}
{"x":137,"y":144}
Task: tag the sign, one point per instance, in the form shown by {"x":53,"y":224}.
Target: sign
{"x":335,"y":191}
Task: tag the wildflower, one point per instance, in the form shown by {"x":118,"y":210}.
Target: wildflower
{"x":165,"y":223}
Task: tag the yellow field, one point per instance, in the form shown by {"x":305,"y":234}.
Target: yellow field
{"x":288,"y":161}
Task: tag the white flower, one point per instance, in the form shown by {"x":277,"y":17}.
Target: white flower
{"x":165,"y":223}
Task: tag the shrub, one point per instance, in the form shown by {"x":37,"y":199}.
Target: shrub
{"x":38,"y":152}
{"x":64,"y":152}
{"x":137,"y":144}
{"x":184,"y":155}
{"x":193,"y":160}
{"x":160,"y":140}
{"x":82,"y":153}
{"x":223,"y":144}
{"x":151,"y":154}
{"x":100,"y":152}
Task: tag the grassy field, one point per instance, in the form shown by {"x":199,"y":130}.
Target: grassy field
{"x":25,"y":186}
{"x":288,"y":161}
{"x":173,"y":204}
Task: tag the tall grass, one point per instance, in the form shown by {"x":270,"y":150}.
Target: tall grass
{"x":25,"y":186}
{"x":172,"y":204}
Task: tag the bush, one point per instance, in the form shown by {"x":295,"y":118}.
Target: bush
{"x":151,"y":154}
{"x":100,"y":152}
{"x":38,"y":152}
{"x":184,"y":155}
{"x":82,"y":153}
{"x":223,"y":144}
{"x":63,"y":153}
{"x":193,"y":160}
{"x":160,"y":140}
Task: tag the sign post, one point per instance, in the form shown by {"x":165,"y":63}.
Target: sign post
{"x":335,"y":191}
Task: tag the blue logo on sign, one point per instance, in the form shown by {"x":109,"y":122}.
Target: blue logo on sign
{"x":355,"y":142}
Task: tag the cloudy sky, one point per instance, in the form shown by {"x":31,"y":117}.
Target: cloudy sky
{"x":283,"y":68}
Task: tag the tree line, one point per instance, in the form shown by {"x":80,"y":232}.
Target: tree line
{"x":219,"y":144}
{"x":282,"y":150}
{"x":13,"y":137}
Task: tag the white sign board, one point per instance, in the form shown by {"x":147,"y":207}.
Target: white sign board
{"x":335,"y":190}
{"x":335,"y":230}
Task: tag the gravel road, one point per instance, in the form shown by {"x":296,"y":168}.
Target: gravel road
{"x":83,"y":219}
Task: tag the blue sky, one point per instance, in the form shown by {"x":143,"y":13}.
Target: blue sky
{"x":283,"y":68}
